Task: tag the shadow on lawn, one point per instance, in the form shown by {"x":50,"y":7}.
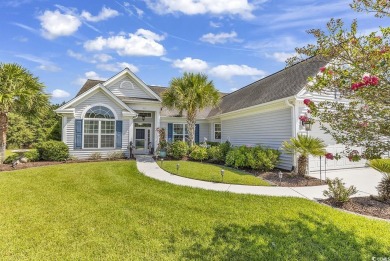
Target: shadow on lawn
{"x":307,"y":238}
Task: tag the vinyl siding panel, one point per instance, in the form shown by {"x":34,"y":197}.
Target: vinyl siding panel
{"x":97,"y":98}
{"x":268,"y":129}
{"x":137,"y":92}
{"x":203,"y":131}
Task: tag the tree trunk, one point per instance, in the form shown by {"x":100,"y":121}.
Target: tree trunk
{"x":302,"y":165}
{"x":191,"y":120}
{"x":3,"y":135}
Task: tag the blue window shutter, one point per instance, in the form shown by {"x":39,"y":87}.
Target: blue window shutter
{"x":78,"y":134}
{"x":197,"y":133}
{"x":170,"y":132}
{"x":118,"y":134}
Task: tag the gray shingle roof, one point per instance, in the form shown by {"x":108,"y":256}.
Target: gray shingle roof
{"x":282,"y":84}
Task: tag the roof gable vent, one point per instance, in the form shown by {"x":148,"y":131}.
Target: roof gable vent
{"x":127,"y":85}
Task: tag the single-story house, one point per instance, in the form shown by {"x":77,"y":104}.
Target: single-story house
{"x":105,"y":116}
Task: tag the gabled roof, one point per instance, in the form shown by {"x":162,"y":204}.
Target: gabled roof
{"x":100,"y":87}
{"x":282,"y":84}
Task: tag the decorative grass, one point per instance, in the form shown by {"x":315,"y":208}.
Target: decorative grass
{"x":109,"y":211}
{"x":210,"y":172}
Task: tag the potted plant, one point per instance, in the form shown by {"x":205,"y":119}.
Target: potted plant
{"x":306,"y":121}
{"x":163,"y":144}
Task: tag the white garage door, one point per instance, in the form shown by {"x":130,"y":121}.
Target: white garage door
{"x":315,"y":164}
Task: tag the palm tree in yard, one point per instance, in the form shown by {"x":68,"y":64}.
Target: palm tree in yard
{"x":305,"y":146}
{"x":20,"y":93}
{"x":191,"y":93}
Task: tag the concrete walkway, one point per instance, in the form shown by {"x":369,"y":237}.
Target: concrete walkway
{"x":149,"y":167}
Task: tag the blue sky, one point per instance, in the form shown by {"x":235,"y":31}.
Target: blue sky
{"x":234,"y":41}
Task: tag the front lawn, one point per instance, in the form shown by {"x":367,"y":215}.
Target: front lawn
{"x":209,"y":172}
{"x":109,"y":211}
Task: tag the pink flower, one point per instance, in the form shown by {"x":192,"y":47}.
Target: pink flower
{"x":307,"y":102}
{"x":329,"y":156}
{"x":303,"y":118}
{"x":322,"y":69}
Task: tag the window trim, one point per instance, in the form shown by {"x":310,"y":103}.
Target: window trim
{"x":99,"y":134}
{"x":184,"y":131}
{"x":147,"y":117}
{"x":218,"y":131}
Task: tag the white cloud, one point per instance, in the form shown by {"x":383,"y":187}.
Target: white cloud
{"x":191,"y":65}
{"x":233,"y":89}
{"x":57,"y":93}
{"x":215,"y":24}
{"x":104,"y":14}
{"x":241,"y":8}
{"x":44,"y":64}
{"x":141,"y":43}
{"x":116,"y":67}
{"x":280,"y":56}
{"x":79,"y":56}
{"x":55,"y":24}
{"x":88,"y":75}
{"x":230,"y":70}
{"x":219,"y":38}
{"x":102,"y":57}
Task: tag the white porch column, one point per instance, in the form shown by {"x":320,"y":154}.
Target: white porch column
{"x":156,"y":125}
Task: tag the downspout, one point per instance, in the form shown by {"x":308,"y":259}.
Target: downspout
{"x":294,"y":132}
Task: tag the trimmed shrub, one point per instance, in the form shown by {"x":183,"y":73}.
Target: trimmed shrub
{"x":53,"y":151}
{"x":178,"y":149}
{"x":96,"y":156}
{"x":225,"y":148}
{"x":237,"y":157}
{"x":11,"y":158}
{"x":115,"y":155}
{"x":199,"y":153}
{"x":213,"y":143}
{"x":32,"y":155}
{"x":338,"y":192}
{"x":214,"y":154}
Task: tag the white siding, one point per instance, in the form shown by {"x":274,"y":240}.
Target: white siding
{"x":137,"y":92}
{"x":203,"y":131}
{"x":98,"y":99}
{"x":268,"y":129}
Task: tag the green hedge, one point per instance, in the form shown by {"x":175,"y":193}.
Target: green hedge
{"x":198,"y":153}
{"x":53,"y":151}
{"x":178,"y":150}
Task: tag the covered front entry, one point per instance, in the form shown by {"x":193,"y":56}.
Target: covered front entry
{"x":143,"y":140}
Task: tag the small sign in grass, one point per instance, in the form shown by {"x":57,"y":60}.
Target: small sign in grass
{"x":212,"y":173}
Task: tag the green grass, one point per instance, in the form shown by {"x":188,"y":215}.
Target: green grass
{"x":109,"y":211}
{"x":209,"y":172}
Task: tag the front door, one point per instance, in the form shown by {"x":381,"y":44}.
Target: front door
{"x":142,"y":140}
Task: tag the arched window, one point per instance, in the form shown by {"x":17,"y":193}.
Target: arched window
{"x":99,"y":128}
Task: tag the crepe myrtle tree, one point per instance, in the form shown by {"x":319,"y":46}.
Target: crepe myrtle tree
{"x":20,"y":93}
{"x":357,"y":71}
{"x":191,"y":93}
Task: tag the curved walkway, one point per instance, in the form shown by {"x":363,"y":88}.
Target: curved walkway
{"x":149,"y":167}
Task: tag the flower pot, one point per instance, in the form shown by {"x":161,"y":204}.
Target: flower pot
{"x":163,"y":153}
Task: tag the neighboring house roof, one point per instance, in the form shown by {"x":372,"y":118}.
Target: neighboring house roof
{"x":282,"y":84}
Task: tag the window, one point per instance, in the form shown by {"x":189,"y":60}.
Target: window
{"x":217,"y":131}
{"x":180,"y":132}
{"x":99,"y":128}
{"x":143,"y":125}
{"x":145,"y":115}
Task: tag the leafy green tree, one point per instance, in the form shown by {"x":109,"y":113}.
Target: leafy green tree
{"x":20,"y":93}
{"x":20,"y":134}
{"x":305,"y":146}
{"x":191,"y":93}
{"x":358,"y":77}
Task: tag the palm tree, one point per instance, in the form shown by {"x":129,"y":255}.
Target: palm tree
{"x":383,"y":166}
{"x":191,"y":93}
{"x":305,"y":146}
{"x":20,"y":93}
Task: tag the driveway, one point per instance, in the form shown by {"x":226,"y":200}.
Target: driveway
{"x":364,"y":179}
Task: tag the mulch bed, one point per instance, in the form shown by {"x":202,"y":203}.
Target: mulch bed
{"x":8,"y":167}
{"x":290,"y":180}
{"x":369,"y":206}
